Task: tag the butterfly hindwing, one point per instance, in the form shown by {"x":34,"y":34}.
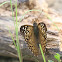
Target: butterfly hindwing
{"x":27,"y":32}
{"x":42,"y":35}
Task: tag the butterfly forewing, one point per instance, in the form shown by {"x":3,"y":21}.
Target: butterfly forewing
{"x":42,"y":35}
{"x":27,"y":32}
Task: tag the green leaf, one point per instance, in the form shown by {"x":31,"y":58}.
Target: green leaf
{"x":57,"y":56}
{"x":50,"y":61}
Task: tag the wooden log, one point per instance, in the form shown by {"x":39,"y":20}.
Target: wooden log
{"x":9,"y":49}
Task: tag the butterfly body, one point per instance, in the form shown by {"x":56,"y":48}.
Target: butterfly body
{"x":35,"y":35}
{"x":35,"y":29}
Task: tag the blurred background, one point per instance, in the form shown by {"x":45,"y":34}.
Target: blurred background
{"x":55,"y":4}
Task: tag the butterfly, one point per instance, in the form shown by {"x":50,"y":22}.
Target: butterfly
{"x":35,"y":35}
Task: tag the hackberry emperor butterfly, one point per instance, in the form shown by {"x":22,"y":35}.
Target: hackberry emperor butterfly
{"x":35,"y":35}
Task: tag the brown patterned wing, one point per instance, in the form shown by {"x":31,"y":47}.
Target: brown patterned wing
{"x":42,"y":35}
{"x":27,"y":31}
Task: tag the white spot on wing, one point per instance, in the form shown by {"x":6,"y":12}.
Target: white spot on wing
{"x":23,"y":28}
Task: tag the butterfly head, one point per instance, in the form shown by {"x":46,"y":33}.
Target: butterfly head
{"x":34,"y":24}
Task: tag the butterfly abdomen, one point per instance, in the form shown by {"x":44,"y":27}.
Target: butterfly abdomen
{"x":36,"y":32}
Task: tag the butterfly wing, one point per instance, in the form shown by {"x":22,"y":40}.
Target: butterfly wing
{"x":27,"y":32}
{"x":42,"y":35}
